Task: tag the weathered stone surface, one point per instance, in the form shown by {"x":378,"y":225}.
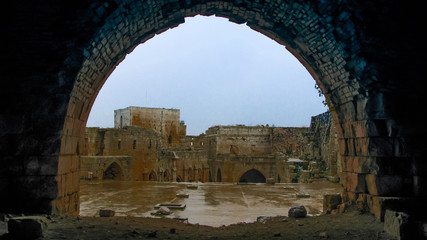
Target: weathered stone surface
{"x":29,"y":227}
{"x":163,"y":211}
{"x":106,"y":213}
{"x":331,"y":202}
{"x":396,"y":224}
{"x":297,"y":212}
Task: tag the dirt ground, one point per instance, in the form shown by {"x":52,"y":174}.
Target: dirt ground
{"x":349,"y":225}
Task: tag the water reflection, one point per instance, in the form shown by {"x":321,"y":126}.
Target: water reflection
{"x":213,"y":204}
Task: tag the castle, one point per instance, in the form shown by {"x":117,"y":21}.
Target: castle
{"x":150,"y":144}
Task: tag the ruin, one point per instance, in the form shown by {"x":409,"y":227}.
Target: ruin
{"x":366,"y":57}
{"x":156,"y":149}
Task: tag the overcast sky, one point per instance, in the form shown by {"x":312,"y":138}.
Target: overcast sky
{"x":217,"y":73}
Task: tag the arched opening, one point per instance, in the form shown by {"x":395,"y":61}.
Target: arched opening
{"x":166,"y":176}
{"x":218,"y":176}
{"x":252,"y":176}
{"x":152,"y":176}
{"x":190,"y":174}
{"x":331,"y":54}
{"x":178,"y":179}
{"x":113,"y":172}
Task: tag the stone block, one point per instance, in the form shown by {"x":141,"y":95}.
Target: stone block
{"x":331,"y":202}
{"x":397,"y":224}
{"x":354,"y":182}
{"x":389,"y":185}
{"x":106,"y":213}
{"x":29,"y":227}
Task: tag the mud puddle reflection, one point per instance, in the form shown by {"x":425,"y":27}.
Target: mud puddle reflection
{"x":212,"y":204}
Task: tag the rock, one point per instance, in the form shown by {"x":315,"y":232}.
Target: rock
{"x":331,"y":202}
{"x":297,"y":212}
{"x":396,"y":224}
{"x":164,"y":211}
{"x":29,"y":227}
{"x":106,"y":213}
{"x":323,"y":235}
{"x":303,"y":195}
{"x":341,"y":208}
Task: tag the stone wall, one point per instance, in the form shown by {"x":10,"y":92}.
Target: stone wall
{"x":141,"y":144}
{"x":289,"y":140}
{"x":165,"y":122}
{"x":321,"y":146}
{"x":93,"y":167}
{"x":240,"y":140}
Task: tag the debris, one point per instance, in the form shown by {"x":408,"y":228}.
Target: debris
{"x":297,"y":212}
{"x":163,"y":211}
{"x":192,"y":186}
{"x":303,"y":195}
{"x":106,"y":213}
{"x":29,"y":227}
{"x":182,"y":195}
{"x":171,"y":205}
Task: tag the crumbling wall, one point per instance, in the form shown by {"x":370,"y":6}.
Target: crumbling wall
{"x":322,"y":144}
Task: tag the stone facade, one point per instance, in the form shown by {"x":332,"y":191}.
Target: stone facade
{"x":222,"y":154}
{"x":321,"y":145}
{"x":165,"y":122}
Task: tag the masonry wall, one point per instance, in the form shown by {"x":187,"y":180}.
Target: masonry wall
{"x":289,"y":140}
{"x":140,"y":144}
{"x":240,"y":140}
{"x":322,"y":144}
{"x":93,"y":167}
{"x":165,"y":122}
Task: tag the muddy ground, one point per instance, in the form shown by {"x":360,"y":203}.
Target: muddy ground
{"x":348,"y":225}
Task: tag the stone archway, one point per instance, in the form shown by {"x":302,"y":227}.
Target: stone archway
{"x":152,"y":176}
{"x":218,"y":175}
{"x":367,"y":62}
{"x":304,"y":32}
{"x":252,"y":176}
{"x":113,"y":172}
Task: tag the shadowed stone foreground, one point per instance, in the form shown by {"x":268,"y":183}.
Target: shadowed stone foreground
{"x":349,"y":225}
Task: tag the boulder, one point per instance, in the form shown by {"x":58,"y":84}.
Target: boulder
{"x":331,"y":202}
{"x":396,"y":224}
{"x":28,"y":227}
{"x":106,"y":213}
{"x":297,"y":212}
{"x":164,"y":211}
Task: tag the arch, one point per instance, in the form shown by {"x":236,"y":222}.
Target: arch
{"x":200,"y":174}
{"x":190,"y":174}
{"x":252,"y":176}
{"x":366,"y":76}
{"x":167,"y":176}
{"x":218,"y":175}
{"x":113,"y":172}
{"x":178,"y":178}
{"x":152,"y":176}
